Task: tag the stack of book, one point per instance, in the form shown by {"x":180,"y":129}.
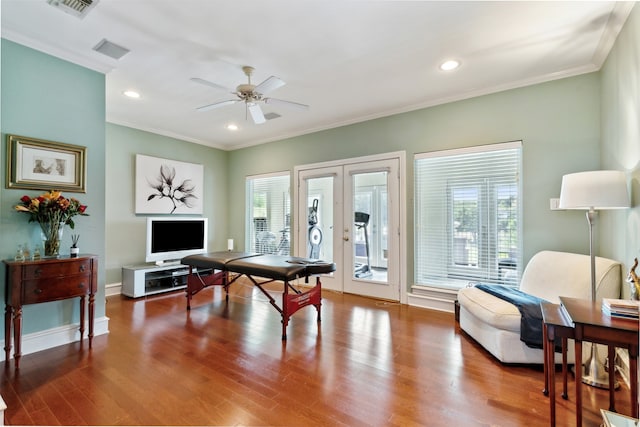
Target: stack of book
{"x":628,"y":309}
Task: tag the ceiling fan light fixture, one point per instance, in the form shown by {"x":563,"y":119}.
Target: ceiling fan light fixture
{"x":450,"y":65}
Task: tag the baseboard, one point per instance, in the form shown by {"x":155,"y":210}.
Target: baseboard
{"x":3,"y":407}
{"x":112,"y":289}
{"x":439,"y":299}
{"x":43,"y":340}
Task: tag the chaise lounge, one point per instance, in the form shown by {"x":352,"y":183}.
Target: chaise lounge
{"x":495,"y":323}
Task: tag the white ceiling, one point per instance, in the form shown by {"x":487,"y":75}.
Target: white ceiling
{"x":349,"y":60}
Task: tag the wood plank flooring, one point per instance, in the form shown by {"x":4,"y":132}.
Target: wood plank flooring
{"x":368,"y":363}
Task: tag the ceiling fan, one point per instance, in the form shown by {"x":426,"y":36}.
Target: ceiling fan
{"x":251,"y":95}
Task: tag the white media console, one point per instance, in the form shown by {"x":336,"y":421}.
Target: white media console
{"x":142,"y":280}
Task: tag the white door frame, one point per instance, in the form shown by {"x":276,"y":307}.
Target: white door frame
{"x":401,"y":156}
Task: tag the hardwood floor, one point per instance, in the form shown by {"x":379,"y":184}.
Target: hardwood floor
{"x":367,"y":364}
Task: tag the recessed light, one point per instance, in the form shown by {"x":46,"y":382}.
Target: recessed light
{"x":449,"y":65}
{"x":232,"y":126}
{"x":131,"y":94}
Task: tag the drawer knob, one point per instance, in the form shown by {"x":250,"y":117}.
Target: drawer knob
{"x":37,"y":291}
{"x":82,"y":268}
{"x":37,"y":271}
{"x":80,"y":285}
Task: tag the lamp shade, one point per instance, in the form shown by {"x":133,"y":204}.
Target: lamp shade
{"x":594,"y":190}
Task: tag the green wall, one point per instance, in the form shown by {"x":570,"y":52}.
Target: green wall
{"x":126,"y":230}
{"x":46,"y":98}
{"x":558,"y":123}
{"x":620,"y":107}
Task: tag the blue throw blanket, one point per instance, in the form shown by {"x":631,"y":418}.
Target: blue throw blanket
{"x":530,"y":311}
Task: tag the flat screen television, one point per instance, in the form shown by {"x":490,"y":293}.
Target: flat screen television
{"x":169,"y":239}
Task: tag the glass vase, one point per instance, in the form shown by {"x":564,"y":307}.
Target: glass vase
{"x":51,"y":236}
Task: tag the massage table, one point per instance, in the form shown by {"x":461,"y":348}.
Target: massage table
{"x":260,"y":270}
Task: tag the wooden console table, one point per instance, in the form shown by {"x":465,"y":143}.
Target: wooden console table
{"x":49,"y":279}
{"x":591,"y":324}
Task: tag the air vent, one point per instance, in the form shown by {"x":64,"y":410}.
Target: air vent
{"x":110,"y":49}
{"x":271,"y":116}
{"x":78,"y":8}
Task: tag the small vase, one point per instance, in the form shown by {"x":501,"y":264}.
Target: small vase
{"x":51,"y":235}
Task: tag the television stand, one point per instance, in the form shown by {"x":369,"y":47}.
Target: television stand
{"x":149,"y":279}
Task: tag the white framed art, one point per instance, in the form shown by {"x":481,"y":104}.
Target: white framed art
{"x":166,"y":186}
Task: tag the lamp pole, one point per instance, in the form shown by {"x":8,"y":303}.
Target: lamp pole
{"x":594,"y":372}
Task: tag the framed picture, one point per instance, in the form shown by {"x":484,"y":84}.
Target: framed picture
{"x":166,"y":186}
{"x":36,"y":164}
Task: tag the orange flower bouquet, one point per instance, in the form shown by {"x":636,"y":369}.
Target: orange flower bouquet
{"x":52,"y":211}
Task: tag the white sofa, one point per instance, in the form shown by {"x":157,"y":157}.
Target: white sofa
{"x":495,"y":323}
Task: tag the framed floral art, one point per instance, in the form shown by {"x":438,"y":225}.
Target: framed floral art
{"x":37,"y":164}
{"x":166,"y":186}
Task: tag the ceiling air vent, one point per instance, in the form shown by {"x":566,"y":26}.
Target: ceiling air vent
{"x":110,"y":49}
{"x":271,"y":116}
{"x":78,"y":8}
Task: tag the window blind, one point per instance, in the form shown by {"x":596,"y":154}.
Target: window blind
{"x":268,"y":214}
{"x":468,"y":216}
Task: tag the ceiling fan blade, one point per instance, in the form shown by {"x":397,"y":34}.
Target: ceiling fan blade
{"x":208,"y":83}
{"x":272,"y":83}
{"x":256,"y":113}
{"x":291,"y":104}
{"x":217,"y":105}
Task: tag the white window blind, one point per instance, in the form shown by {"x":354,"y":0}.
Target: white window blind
{"x":269,"y":213}
{"x":468,"y":216}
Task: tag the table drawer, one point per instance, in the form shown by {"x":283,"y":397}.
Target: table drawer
{"x":57,"y":269}
{"x":41,"y":290}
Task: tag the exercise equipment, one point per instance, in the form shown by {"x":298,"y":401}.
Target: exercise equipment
{"x":361,"y":222}
{"x":315,"y":233}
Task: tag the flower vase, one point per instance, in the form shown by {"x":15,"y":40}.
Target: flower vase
{"x":51,"y":235}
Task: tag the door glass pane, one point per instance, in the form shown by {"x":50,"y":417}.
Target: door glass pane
{"x":320,"y":218}
{"x":370,"y":226}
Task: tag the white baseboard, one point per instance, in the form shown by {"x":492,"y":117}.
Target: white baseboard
{"x":112,"y":289}
{"x":439,"y":299}
{"x":3,"y":407}
{"x":43,"y":340}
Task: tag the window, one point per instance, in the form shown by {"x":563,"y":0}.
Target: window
{"x":269,"y":214}
{"x":468,"y":216}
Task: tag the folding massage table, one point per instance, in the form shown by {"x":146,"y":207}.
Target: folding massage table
{"x":271,"y":268}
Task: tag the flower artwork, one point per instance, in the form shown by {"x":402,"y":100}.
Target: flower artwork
{"x":52,"y":211}
{"x":166,"y":186}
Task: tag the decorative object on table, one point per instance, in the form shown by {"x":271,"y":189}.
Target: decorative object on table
{"x":592,"y":191}
{"x":622,"y":308}
{"x":168,"y":186}
{"x":26,"y":251}
{"x":35,"y":255}
{"x":74,"y":250}
{"x":19,"y":254}
{"x":37,"y":164}
{"x":52,"y":211}
{"x":632,"y":278}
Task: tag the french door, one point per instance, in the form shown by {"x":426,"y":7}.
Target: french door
{"x":350,"y":214}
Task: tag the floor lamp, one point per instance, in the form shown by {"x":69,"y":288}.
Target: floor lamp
{"x":593,"y":191}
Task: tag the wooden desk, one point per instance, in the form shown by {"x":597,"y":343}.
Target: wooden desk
{"x":51,"y":279}
{"x":590,"y":324}
{"x":554,"y":325}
